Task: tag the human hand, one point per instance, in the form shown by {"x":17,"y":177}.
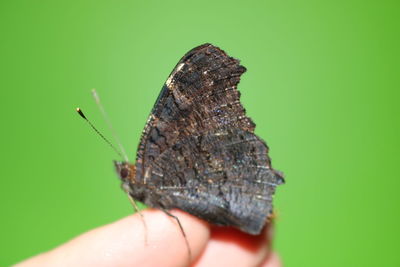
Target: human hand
{"x":122,"y":243}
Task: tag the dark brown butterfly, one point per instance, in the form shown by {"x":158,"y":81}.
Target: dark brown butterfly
{"x":198,"y":151}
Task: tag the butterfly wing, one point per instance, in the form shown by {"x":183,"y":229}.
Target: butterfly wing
{"x":200,"y":94}
{"x":198,"y":151}
{"x":224,"y":177}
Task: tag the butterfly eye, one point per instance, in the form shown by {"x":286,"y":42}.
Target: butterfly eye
{"x":124,"y":173}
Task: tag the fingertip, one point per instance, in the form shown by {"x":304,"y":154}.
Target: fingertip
{"x":231,"y":247}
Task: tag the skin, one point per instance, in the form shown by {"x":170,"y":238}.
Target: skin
{"x":123,"y":243}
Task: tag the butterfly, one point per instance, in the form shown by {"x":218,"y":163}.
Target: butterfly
{"x":198,"y":151}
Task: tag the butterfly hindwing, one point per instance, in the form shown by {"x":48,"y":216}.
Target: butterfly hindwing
{"x":224,"y":177}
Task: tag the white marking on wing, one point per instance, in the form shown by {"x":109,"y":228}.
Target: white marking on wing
{"x":177,"y":69}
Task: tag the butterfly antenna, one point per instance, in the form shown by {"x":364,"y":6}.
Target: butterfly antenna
{"x":108,"y":121}
{"x":97,"y":131}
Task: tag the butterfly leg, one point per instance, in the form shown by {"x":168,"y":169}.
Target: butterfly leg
{"x":182,"y":231}
{"x":136,"y":208}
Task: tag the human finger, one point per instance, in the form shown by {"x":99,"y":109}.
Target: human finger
{"x":122,"y":243}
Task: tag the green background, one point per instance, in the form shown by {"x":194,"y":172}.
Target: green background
{"x":322,"y":86}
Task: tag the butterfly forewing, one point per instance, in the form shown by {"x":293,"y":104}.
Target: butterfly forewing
{"x":200,"y":95}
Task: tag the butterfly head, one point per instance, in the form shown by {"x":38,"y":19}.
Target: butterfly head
{"x":125,"y":171}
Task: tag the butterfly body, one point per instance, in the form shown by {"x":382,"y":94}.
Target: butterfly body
{"x":198,"y":151}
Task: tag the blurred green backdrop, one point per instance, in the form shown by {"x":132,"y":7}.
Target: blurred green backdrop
{"x":322,"y":86}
